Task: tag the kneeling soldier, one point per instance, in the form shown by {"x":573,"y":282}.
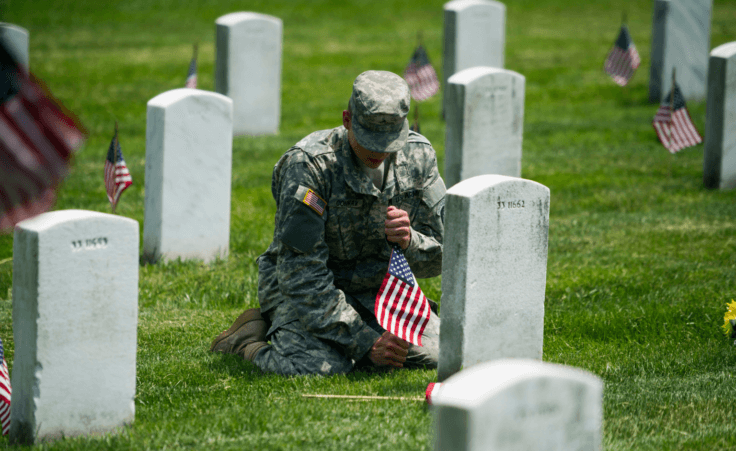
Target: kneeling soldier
{"x":343,"y":195}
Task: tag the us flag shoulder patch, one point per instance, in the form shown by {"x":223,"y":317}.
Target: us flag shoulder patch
{"x":313,"y":201}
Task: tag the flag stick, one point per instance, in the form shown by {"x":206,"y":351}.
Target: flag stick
{"x":623,"y":18}
{"x":196,"y":49}
{"x":365,"y":398}
{"x":669,"y":130}
{"x":416,"y":117}
{"x":672,"y":102}
{"x":115,"y":160}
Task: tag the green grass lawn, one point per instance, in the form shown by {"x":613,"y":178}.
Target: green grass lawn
{"x":642,"y":259}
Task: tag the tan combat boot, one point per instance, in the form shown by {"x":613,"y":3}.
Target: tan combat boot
{"x":249,"y":328}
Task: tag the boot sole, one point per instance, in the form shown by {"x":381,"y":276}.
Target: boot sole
{"x":247,"y":316}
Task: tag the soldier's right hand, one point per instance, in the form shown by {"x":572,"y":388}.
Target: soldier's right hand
{"x":389,"y":350}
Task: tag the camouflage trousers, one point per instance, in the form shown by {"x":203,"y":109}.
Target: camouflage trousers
{"x":294,"y":351}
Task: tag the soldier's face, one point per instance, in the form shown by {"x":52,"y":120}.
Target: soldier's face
{"x":368,"y":157}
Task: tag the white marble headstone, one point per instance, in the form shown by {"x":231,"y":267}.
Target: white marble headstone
{"x":496,"y":230}
{"x":17,"y":39}
{"x":519,"y":404}
{"x":681,"y":40}
{"x":474,"y":35}
{"x":485,"y":123}
{"x":75,"y":316}
{"x":248,"y":70}
{"x":188,"y":175}
{"x":719,"y":163}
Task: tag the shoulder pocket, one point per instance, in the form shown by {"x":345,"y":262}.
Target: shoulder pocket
{"x":434,"y":192}
{"x":304,"y":225}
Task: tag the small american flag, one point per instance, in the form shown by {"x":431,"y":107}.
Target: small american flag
{"x":623,"y":59}
{"x":192,"y":74}
{"x":401,"y":307}
{"x":673,"y":124}
{"x":315,"y":202}
{"x":117,"y":176}
{"x":420,"y":76}
{"x":4,"y":393}
{"x":37,"y":140}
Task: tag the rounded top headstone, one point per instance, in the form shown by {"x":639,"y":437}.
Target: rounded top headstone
{"x":459,"y":5}
{"x":16,"y":39}
{"x":475,"y":185}
{"x":49,"y":220}
{"x":13,"y":27}
{"x":238,"y":17}
{"x":473,"y":386}
{"x":467,"y":76}
{"x":726,"y":50}
{"x":168,"y":98}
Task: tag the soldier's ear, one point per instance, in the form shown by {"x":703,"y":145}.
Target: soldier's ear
{"x":346,"y":118}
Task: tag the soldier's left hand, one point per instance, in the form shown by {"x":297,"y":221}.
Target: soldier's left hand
{"x":398,"y":227}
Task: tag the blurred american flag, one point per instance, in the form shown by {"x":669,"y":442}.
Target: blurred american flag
{"x":37,"y":140}
{"x":420,"y":76}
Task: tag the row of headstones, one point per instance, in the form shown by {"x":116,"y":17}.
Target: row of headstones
{"x":189,"y":137}
{"x":474,"y":35}
{"x":249,"y":48}
{"x":484,"y":104}
{"x":249,"y":53}
{"x":188,"y":131}
{"x":485,"y":115}
{"x":485,"y":110}
{"x":681,"y":39}
{"x":189,"y":154}
{"x":189,"y":157}
{"x":75,"y":296}
{"x":247,"y":67}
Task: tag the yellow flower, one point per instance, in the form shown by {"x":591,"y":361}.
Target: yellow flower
{"x":730,"y":315}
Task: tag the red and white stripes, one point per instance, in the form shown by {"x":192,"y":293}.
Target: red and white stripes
{"x":402,"y":309}
{"x":675,"y":130}
{"x":5,"y":392}
{"x":621,"y":64}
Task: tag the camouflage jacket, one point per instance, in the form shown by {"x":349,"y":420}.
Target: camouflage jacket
{"x":337,"y":246}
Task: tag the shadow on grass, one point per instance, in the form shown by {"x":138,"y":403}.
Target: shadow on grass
{"x":403,"y":382}
{"x":234,"y":366}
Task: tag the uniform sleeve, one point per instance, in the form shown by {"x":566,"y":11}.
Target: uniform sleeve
{"x":424,"y":253}
{"x":301,"y":266}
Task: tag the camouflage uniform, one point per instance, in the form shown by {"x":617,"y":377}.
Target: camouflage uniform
{"x":319,"y":277}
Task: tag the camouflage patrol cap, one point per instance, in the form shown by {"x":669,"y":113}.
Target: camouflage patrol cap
{"x":379,"y":105}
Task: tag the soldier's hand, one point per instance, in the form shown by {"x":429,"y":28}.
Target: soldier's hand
{"x":389,"y":350}
{"x":398,"y":227}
